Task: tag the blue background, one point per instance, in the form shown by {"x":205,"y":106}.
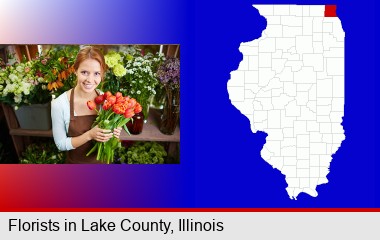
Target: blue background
{"x":230,"y":171}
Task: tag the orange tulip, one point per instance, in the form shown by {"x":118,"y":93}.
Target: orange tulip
{"x":107,"y":94}
{"x":129,"y":113}
{"x":118,"y":95}
{"x":120,"y":100}
{"x":119,"y":108}
{"x":107,"y":105}
{"x":138,"y":108}
{"x":132,"y":102}
{"x":111,"y":100}
{"x":91,"y":105}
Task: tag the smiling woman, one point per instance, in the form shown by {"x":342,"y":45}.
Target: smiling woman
{"x":71,"y":118}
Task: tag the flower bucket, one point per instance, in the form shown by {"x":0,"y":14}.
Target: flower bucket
{"x":34,"y":117}
{"x":170,"y":115}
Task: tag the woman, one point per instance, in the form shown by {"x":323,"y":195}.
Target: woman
{"x":71,"y":118}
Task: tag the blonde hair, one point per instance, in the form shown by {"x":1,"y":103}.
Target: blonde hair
{"x":90,"y":52}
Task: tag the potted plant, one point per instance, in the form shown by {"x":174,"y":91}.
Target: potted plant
{"x":29,"y":86}
{"x":169,"y":75}
{"x":142,"y":153}
{"x":42,"y":153}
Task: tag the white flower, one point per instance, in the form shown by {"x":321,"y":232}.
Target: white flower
{"x":20,"y":69}
{"x":138,"y":92}
{"x":17,"y":98}
{"x":13,"y":77}
{"x":26,"y":88}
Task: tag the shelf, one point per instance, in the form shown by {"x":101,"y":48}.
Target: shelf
{"x":34,"y":133}
{"x":151,"y":131}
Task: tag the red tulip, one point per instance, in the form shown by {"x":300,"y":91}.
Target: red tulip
{"x":107,"y":105}
{"x":129,"y":113}
{"x":138,"y":108}
{"x":132,"y":102}
{"x":118,"y":95}
{"x":107,"y":94}
{"x":111,"y":100}
{"x":99,"y":99}
{"x":120,"y":100}
{"x":119,"y":108}
{"x":91,"y":105}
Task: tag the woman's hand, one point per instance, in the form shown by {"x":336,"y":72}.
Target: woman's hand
{"x":100,"y":135}
{"x":117,"y":132}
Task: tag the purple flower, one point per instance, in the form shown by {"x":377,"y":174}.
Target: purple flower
{"x":169,"y":71}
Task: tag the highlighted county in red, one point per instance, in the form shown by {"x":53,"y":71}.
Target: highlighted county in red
{"x":330,"y":10}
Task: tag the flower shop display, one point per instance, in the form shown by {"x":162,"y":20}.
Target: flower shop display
{"x":17,"y":82}
{"x":29,"y":86}
{"x":35,"y":81}
{"x":56,"y":68}
{"x":42,"y":153}
{"x":115,"y":112}
{"x":142,"y":153}
{"x":169,"y":75}
{"x":133,"y":73}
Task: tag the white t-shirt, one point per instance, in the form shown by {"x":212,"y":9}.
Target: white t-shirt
{"x":60,"y":117}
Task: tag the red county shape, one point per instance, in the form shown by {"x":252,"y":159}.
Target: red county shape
{"x":330,"y":10}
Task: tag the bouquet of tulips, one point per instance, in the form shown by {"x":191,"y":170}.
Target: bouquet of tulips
{"x":115,"y":112}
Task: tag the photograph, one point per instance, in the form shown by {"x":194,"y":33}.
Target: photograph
{"x":90,"y":104}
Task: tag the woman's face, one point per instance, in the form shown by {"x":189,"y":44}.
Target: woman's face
{"x":88,"y":75}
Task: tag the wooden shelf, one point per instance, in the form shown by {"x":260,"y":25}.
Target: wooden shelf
{"x":151,"y":131}
{"x":34,"y":133}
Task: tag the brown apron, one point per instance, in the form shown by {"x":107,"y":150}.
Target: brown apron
{"x":77,"y":126}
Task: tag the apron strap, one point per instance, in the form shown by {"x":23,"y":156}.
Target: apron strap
{"x":72,"y":105}
{"x":72,"y":102}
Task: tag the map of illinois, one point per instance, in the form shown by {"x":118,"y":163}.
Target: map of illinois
{"x":290,"y":85}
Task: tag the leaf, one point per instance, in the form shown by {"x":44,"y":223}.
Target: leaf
{"x":126,"y":129}
{"x":99,"y":152}
{"x":92,"y":149}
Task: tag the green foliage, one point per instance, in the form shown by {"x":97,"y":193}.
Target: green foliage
{"x":39,"y":80}
{"x":42,"y":153}
{"x":142,"y":153}
{"x":133,"y":73}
